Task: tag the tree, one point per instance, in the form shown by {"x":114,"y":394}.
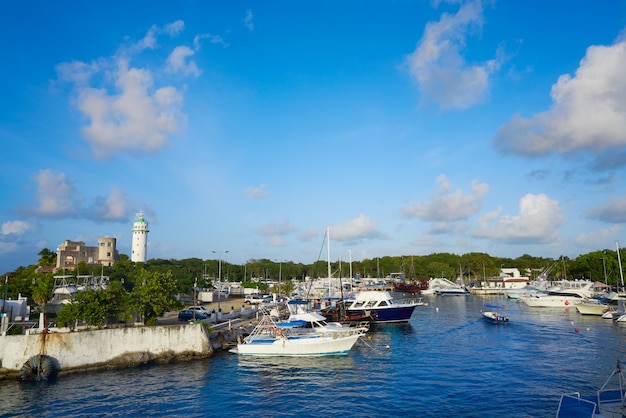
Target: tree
{"x":47,"y":257}
{"x":96,"y":307}
{"x":154,"y":294}
{"x":69,"y":313}
{"x":42,"y":291}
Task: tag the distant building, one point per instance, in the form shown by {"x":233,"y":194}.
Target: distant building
{"x":140,"y":239}
{"x":70,"y":253}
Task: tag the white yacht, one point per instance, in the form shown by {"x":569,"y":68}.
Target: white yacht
{"x":565,"y":294}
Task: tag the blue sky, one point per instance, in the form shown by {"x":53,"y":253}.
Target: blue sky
{"x":406,"y":127}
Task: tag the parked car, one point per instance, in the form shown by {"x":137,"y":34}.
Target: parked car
{"x":189,"y":314}
{"x":253,"y":299}
{"x":202,"y":309}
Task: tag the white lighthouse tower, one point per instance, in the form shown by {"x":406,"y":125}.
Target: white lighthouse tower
{"x":140,"y":239}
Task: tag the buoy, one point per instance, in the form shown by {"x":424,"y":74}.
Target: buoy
{"x":576,"y":329}
{"x":388,"y":347}
{"x":437,"y":309}
{"x":40,"y":367}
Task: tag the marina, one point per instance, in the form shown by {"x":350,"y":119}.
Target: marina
{"x":445,"y":361}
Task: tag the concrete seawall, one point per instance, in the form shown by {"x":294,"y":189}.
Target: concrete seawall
{"x":109,"y":348}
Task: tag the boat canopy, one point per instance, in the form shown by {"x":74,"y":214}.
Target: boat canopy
{"x":291,"y":324}
{"x":298,"y":302}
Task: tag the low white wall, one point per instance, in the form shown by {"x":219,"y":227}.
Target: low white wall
{"x":96,"y":348}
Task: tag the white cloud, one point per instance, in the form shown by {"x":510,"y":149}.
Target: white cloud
{"x":598,"y":239}
{"x":538,"y":221}
{"x":177,"y":62}
{"x":148,"y":41}
{"x":282,"y":228}
{"x":588,"y":111}
{"x":125,"y":110}
{"x":276,"y":241}
{"x":441,"y":71}
{"x":453,"y":206}
{"x":137,"y":118}
{"x":174,"y":28}
{"x":613,"y":211}
{"x":276,"y":232}
{"x":214,"y":39}
{"x":248,"y":20}
{"x":8,"y":247}
{"x":116,"y":207}
{"x":443,"y":181}
{"x":441,"y":227}
{"x":309,"y":234}
{"x":56,"y":198}
{"x":16,"y":227}
{"x":354,"y":229}
{"x":55,"y":194}
{"x":257,"y":192}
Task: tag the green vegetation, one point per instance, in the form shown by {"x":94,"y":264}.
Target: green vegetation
{"x":144,"y":291}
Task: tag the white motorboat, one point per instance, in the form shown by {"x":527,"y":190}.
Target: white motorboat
{"x":609,"y":401}
{"x":64,"y":290}
{"x":444,"y":287}
{"x":304,"y":334}
{"x":618,"y":314}
{"x":593,"y":307}
{"x":455,"y":290}
{"x":567,"y":293}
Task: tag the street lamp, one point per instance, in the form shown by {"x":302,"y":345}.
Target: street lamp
{"x":219,"y":278}
{"x":6,"y":290}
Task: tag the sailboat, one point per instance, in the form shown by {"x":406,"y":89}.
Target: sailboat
{"x":620,"y":296}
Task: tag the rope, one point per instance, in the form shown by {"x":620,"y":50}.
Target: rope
{"x":373,"y":349}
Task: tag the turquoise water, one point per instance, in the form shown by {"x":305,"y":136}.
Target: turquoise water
{"x":446,"y":361}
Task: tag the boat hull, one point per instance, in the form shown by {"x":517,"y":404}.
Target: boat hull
{"x":495,"y":318}
{"x":308,"y":345}
{"x":452,"y":292}
{"x":410,"y":288}
{"x":597,"y":309}
{"x":392,"y":314}
{"x":551,"y":301}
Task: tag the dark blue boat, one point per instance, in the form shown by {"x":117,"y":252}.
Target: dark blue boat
{"x":381,"y":307}
{"x":495,"y":314}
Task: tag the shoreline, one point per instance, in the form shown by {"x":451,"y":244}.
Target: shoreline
{"x":169,"y":341}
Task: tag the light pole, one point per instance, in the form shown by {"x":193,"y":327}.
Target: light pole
{"x":219,"y":278}
{"x":195,"y":287}
{"x":6,"y":290}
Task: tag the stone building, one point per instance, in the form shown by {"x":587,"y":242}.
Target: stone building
{"x":70,"y":253}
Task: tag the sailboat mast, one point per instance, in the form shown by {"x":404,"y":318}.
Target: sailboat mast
{"x":350,"y":253}
{"x":328,"y":246}
{"x":619,"y":263}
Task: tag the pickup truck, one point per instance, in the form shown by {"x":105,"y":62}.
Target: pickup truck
{"x":253,"y":299}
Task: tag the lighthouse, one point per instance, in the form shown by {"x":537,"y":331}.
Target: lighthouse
{"x":140,"y":239}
